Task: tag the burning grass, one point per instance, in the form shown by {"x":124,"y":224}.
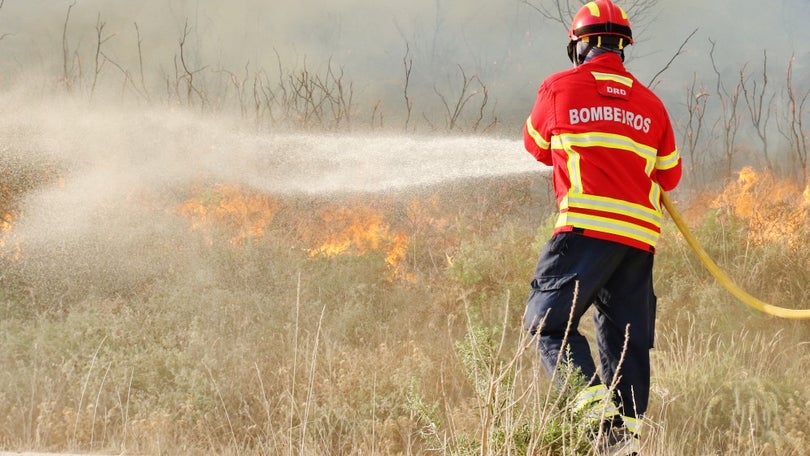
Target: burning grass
{"x":776,"y":210}
{"x":245,"y":215}
{"x":381,"y":324}
{"x":330,"y":229}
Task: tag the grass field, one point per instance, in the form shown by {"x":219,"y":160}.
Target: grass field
{"x":217,"y":319}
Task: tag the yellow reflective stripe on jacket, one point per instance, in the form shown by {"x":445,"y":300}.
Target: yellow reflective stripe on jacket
{"x":538,"y":138}
{"x":655,"y":197}
{"x":594,"y":139}
{"x":612,"y":77}
{"x":668,"y":161}
{"x":611,"y":205}
{"x":608,"y":225}
{"x":574,"y":171}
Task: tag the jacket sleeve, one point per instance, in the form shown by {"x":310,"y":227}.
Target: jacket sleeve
{"x":536,"y":131}
{"x":668,"y":165}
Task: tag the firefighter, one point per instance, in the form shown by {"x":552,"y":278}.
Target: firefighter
{"x":612,"y":150}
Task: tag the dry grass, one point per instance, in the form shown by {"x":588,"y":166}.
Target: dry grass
{"x":262,"y":348}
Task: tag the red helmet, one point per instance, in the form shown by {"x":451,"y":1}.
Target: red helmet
{"x":601,"y":17}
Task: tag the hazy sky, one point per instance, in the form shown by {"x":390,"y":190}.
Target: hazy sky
{"x":507,"y":43}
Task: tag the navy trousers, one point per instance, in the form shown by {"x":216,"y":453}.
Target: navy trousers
{"x":575,"y":272}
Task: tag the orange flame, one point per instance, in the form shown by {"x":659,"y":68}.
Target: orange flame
{"x":776,"y":209}
{"x":334,"y":231}
{"x":6,"y":220}
{"x":6,"y":225}
{"x":246,"y":214}
{"x":6,"y":217}
{"x":359,"y":231}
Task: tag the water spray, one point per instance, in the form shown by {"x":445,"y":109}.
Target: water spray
{"x":723,"y":278}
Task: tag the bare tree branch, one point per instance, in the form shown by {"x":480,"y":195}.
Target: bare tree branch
{"x":728,"y":107}
{"x":759,"y":111}
{"x":145,"y":92}
{"x":407,"y":62}
{"x":454,"y":112}
{"x":66,"y":68}
{"x":696,"y":100}
{"x":674,"y":56}
{"x":127,"y":76}
{"x":188,"y":75}
{"x":793,"y":130}
{"x":100,"y":58}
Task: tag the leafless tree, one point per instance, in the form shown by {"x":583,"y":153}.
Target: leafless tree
{"x":305,"y":98}
{"x":759,"y":109}
{"x":792,"y":124}
{"x":730,"y":121}
{"x":68,"y":60}
{"x":321,"y":99}
{"x":240,"y":85}
{"x":454,"y":108}
{"x":407,"y":62}
{"x":377,"y":115}
{"x":144,"y":90}
{"x":100,"y":58}
{"x":187,"y":75}
{"x":696,"y":100}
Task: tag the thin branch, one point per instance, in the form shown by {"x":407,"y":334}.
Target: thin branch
{"x":757,"y":108}
{"x":407,"y":62}
{"x":189,"y":74}
{"x":140,"y":62}
{"x":675,"y":56}
{"x":99,"y":61}
{"x":65,"y":51}
{"x":728,"y":106}
{"x":127,"y":76}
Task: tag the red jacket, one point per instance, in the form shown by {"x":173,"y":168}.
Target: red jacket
{"x":612,"y":148}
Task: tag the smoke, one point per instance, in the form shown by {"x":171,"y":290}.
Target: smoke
{"x":498,"y":37}
{"x":118,"y":152}
{"x":110,"y":217}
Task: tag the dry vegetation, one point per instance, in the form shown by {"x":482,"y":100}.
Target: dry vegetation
{"x":380,"y":324}
{"x":237,"y":322}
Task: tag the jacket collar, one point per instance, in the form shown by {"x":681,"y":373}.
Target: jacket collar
{"x":607,"y":59}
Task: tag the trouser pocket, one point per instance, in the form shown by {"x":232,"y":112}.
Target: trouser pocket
{"x":549,"y":303}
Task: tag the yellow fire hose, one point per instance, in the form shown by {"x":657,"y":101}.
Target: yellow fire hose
{"x":721,"y":276}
